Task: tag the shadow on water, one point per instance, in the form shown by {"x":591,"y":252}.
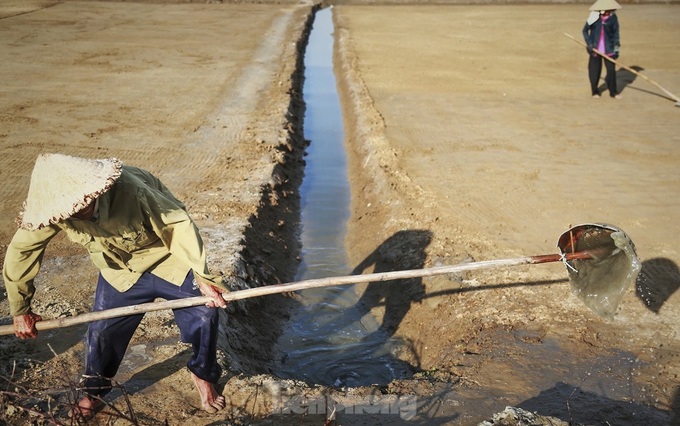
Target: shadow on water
{"x":402,"y":251}
{"x":658,"y":280}
{"x":337,"y":342}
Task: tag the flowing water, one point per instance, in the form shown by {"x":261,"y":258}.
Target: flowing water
{"x":328,"y":341}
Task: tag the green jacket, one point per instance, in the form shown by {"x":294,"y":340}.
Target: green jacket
{"x":140,"y":227}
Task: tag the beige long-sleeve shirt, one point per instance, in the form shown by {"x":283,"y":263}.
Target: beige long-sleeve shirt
{"x":140,"y":227}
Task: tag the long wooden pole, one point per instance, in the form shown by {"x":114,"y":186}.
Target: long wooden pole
{"x":295,"y":286}
{"x":610,"y":59}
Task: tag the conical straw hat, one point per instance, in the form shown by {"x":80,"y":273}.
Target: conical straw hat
{"x":605,"y":5}
{"x":62,"y":185}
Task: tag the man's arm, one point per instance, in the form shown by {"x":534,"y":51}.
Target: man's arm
{"x":22,"y":263}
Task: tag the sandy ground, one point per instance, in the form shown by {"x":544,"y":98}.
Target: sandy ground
{"x":471,"y":135}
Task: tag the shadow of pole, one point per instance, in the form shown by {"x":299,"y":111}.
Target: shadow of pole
{"x":626,"y":76}
{"x":460,"y":290}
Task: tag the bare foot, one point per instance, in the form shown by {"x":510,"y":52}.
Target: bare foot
{"x":596,"y":96}
{"x":617,"y":96}
{"x":212,"y":401}
{"x":86,"y":408}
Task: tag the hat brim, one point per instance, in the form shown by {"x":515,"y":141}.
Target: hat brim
{"x":62,"y":185}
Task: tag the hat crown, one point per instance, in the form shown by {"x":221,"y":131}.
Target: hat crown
{"x":62,"y":185}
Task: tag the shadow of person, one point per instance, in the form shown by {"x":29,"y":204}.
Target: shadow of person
{"x":404,"y":250}
{"x":624,"y":77}
{"x":659,"y":278}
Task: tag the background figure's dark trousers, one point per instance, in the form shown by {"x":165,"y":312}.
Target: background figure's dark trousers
{"x":107,"y":340}
{"x":595,"y":70}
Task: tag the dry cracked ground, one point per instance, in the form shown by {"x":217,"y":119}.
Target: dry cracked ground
{"x":471,"y":135}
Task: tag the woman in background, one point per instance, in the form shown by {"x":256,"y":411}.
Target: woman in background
{"x":601,"y":33}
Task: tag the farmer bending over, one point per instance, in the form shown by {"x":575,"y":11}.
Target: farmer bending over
{"x":145,"y":246}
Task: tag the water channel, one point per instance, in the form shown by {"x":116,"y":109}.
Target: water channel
{"x":328,"y":341}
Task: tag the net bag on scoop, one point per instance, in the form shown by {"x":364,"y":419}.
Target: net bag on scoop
{"x":602,"y":281}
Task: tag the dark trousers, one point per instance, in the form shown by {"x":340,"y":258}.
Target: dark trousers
{"x":107,"y":340}
{"x":595,"y":70}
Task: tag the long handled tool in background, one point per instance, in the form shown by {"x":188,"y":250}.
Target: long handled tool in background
{"x":610,"y":59}
{"x":597,"y":250}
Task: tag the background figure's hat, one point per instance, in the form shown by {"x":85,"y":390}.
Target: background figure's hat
{"x":605,"y":5}
{"x":62,"y":185}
